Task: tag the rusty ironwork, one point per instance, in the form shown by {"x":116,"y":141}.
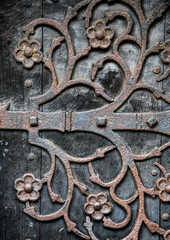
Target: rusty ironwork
{"x":103,"y":121}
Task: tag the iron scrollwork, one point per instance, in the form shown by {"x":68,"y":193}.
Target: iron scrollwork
{"x":102,"y":121}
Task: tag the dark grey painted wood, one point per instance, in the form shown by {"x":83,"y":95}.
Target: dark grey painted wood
{"x":165,"y":160}
{"x":15,"y":149}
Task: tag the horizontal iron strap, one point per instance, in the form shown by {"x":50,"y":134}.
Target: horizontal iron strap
{"x":85,"y":121}
{"x":155,"y":122}
{"x":11,"y":120}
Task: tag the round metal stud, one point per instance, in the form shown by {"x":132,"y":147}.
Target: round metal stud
{"x":154,"y":172}
{"x":28,"y":83}
{"x":156,"y":70}
{"x":27,"y":3}
{"x":31,"y":157}
{"x":165,"y":216}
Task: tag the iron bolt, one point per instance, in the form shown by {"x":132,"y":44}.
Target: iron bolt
{"x":154,"y":172}
{"x":101,"y":121}
{"x":27,"y":3}
{"x":28,"y":83}
{"x":28,"y":52}
{"x":8,"y":40}
{"x":100,"y":34}
{"x":168,"y":30}
{"x":167,"y":189}
{"x":165,"y":216}
{"x":28,"y":188}
{"x":33,"y":121}
{"x":31,"y":157}
{"x":97,"y":206}
{"x":156,"y":70}
{"x":152,"y":122}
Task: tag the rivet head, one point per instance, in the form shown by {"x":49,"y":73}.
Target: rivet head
{"x":168,"y":30}
{"x":100,"y":34}
{"x":27,"y":3}
{"x":154,"y":172}
{"x":28,"y":187}
{"x":156,"y":70}
{"x":31,"y":156}
{"x":152,"y":122}
{"x":33,"y":121}
{"x":9,"y":40}
{"x":101,"y":121}
{"x":28,"y":52}
{"x":167,"y":189}
{"x":165,"y":216}
{"x":28,"y":83}
{"x":97,"y":206}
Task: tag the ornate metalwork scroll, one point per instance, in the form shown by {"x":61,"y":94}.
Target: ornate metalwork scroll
{"x":103,"y":121}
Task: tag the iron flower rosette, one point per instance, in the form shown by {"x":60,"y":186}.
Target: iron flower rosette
{"x":167,"y":235}
{"x":28,"y":52}
{"x":100,"y":35}
{"x":97,"y":206}
{"x":28,"y":188}
{"x":163,"y":184}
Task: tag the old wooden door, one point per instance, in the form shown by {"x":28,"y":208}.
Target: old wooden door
{"x":84,"y":120}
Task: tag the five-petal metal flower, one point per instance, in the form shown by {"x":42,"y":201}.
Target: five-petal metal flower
{"x":165,"y":55}
{"x":28,"y":52}
{"x":167,"y":235}
{"x":100,"y":35}
{"x":163,"y":184}
{"x":28,"y":187}
{"x":97,"y":206}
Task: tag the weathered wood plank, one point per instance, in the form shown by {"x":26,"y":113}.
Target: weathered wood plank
{"x":165,"y":161}
{"x":15,"y":149}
